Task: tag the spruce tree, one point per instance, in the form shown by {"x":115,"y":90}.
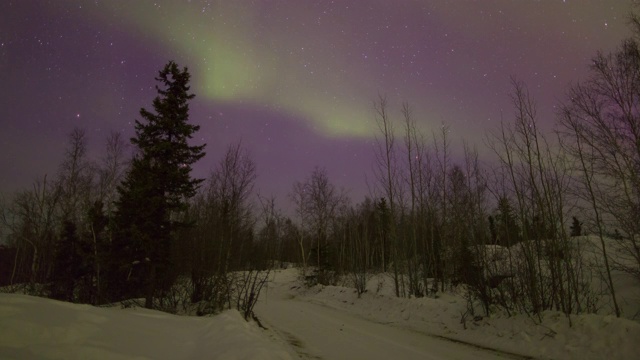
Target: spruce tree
{"x":157,"y":185}
{"x":508,"y":230}
{"x":67,"y":264}
{"x":576,"y":227}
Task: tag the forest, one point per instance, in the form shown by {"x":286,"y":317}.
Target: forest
{"x":140,"y":226}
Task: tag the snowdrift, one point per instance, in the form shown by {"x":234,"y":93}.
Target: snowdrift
{"x":588,"y":336}
{"x":37,"y":328}
{"x":510,"y":262}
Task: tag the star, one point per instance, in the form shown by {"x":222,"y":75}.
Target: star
{"x":310,"y":70}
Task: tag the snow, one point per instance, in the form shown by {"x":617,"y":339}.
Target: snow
{"x":588,"y":337}
{"x":553,"y":336}
{"x":326,"y":332}
{"x":37,"y":328}
{"x":328,"y":322}
{"x":505,"y":261}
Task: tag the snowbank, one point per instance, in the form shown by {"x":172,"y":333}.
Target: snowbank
{"x":37,"y":328}
{"x":555,"y":337}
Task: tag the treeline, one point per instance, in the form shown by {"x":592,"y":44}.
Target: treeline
{"x":126,"y":227}
{"x":59,"y":227}
{"x":504,"y":229}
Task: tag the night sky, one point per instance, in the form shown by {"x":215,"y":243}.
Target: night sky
{"x":293,"y":80}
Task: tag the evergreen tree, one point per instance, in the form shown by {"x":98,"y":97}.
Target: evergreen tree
{"x":66,"y":265}
{"x":158,"y":184}
{"x":493,"y":231}
{"x":576,"y":227}
{"x":508,"y":230}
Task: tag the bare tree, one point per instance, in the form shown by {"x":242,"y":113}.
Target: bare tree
{"x":221,"y":239}
{"x":76,"y":256}
{"x":547,"y":268}
{"x":299,"y":197}
{"x":112,"y":169}
{"x":75,"y":179}
{"x":386,"y":172}
{"x":607,"y":107}
{"x":319,"y":202}
{"x":588,"y":190}
{"x":110,"y":172}
{"x":30,"y":220}
{"x":412,"y":177}
{"x":270,"y":235}
{"x":600,"y":128}
{"x":442,"y":154}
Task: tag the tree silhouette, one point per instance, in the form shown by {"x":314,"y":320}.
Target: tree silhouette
{"x":576,"y":227}
{"x":508,"y":230}
{"x":67,"y":263}
{"x":158,"y":184}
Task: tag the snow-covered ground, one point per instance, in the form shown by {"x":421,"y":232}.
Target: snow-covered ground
{"x":37,"y":328}
{"x":318,"y":327}
{"x":554,"y":336}
{"x":322,"y":322}
{"x":589,"y":337}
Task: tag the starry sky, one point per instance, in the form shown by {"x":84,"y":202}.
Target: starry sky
{"x":294,"y":80}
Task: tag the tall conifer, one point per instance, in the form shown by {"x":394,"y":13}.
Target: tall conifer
{"x":157,"y":185}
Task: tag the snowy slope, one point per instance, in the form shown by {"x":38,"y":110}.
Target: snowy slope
{"x":322,"y":332}
{"x":503,"y":260}
{"x":589,"y":337}
{"x":37,"y":328}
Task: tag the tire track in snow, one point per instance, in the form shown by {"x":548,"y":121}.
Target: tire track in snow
{"x":295,"y":344}
{"x":501,"y":353}
{"x":317,"y":332}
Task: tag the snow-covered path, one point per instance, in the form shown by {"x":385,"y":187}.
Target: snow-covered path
{"x":319,"y":332}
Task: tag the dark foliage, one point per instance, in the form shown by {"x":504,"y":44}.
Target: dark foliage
{"x":157,"y":185}
{"x":67,"y":266}
{"x":507,"y":228}
{"x":576,"y":227}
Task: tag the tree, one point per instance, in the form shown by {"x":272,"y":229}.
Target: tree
{"x":75,"y":179}
{"x":508,"y":230}
{"x":32,"y":222}
{"x":157,"y":185}
{"x":298,"y":197}
{"x":318,"y":202}
{"x":67,"y":264}
{"x":219,"y":252}
{"x":576,"y":227}
{"x":386,"y":173}
{"x":111,"y":170}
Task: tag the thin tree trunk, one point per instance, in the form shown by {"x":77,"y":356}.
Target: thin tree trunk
{"x":596,"y":210}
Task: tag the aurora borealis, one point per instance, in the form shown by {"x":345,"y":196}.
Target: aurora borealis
{"x":293,"y":80}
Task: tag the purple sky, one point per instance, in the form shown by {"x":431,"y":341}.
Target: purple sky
{"x":293,"y":80}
